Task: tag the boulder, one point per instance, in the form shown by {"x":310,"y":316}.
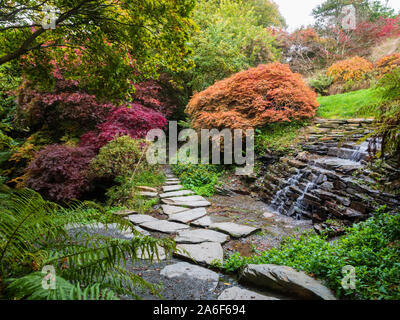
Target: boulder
{"x":286,"y":280}
{"x":236,"y":293}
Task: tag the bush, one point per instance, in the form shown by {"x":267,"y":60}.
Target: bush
{"x":200,"y":178}
{"x":59,"y":172}
{"x":119,"y":157}
{"x":253,"y":98}
{"x":133,"y":120}
{"x":63,"y":108}
{"x":387,"y":64}
{"x":122,"y":165}
{"x":371,"y":247}
{"x":353,"y":69}
{"x":321,"y":84}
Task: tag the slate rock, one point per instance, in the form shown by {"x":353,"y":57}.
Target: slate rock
{"x":176,"y":194}
{"x":286,"y":280}
{"x":188,"y":216}
{"x":204,"y":253}
{"x":184,"y":269}
{"x":168,"y":210}
{"x":175,"y":187}
{"x":164,"y":226}
{"x":200,"y":236}
{"x":236,"y":293}
{"x":234,"y":229}
{"x":141,"y":218}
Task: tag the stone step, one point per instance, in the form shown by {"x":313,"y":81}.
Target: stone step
{"x":188,"y":216}
{"x":204,"y":253}
{"x":164,"y":226}
{"x":176,"y":194}
{"x":236,"y":293}
{"x":172,"y":188}
{"x":186,"y":270}
{"x":147,"y":194}
{"x":172,"y":183}
{"x":168,"y":210}
{"x":233,"y":229}
{"x":200,"y":236}
{"x":141,"y":218}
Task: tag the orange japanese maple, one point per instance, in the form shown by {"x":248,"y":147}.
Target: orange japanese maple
{"x":253,"y":98}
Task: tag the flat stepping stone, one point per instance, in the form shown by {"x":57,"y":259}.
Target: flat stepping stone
{"x":141,"y":231}
{"x":184,"y":269}
{"x":141,"y":218}
{"x":168,"y":210}
{"x":200,"y":236}
{"x":172,"y":188}
{"x":148,"y":194}
{"x":177,"y":194}
{"x":204,"y":222}
{"x":236,"y":293}
{"x":169,"y":175}
{"x":234,"y":229}
{"x":190,"y":204}
{"x":172,"y":180}
{"x":172,"y":183}
{"x":203,"y":253}
{"x":146,"y":256}
{"x":188,"y":216}
{"x":164,"y":226}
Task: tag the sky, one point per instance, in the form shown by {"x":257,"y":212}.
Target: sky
{"x":298,"y":12}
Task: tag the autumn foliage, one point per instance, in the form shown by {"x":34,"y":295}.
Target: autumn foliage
{"x":253,"y":98}
{"x":354,"y":69}
{"x":387,"y":64}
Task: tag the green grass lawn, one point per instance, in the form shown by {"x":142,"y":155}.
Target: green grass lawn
{"x":356,"y":104}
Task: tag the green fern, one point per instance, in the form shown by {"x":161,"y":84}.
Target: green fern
{"x":33,"y":234}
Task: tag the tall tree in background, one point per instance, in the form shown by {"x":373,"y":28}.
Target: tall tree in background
{"x":112,"y":43}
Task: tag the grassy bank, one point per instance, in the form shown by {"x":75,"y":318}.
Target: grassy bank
{"x":356,"y":104}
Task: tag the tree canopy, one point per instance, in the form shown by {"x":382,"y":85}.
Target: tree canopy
{"x":120,"y":42}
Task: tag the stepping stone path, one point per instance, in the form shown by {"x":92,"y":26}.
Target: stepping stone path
{"x":199,"y":238}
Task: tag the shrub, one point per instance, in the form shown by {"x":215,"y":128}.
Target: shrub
{"x":387,"y":64}
{"x":200,"y":178}
{"x":353,"y":69}
{"x":253,"y":98}
{"x":321,"y":84}
{"x":119,"y":157}
{"x":66,"y":106}
{"x":371,"y":247}
{"x":121,"y":164}
{"x":133,"y":120}
{"x":59,"y":172}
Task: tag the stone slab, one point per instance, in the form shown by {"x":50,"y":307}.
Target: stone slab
{"x":141,"y":231}
{"x":164,"y":226}
{"x":188,"y":216}
{"x":168,"y":210}
{"x":189,"y":204}
{"x":286,"y":280}
{"x":172,"y":183}
{"x":236,"y":293}
{"x":184,"y":269}
{"x":234,"y":229}
{"x":204,"y":222}
{"x":176,"y":194}
{"x":146,"y":256}
{"x":141,"y":218}
{"x":200,"y":236}
{"x":175,"y":187}
{"x":203,"y":253}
